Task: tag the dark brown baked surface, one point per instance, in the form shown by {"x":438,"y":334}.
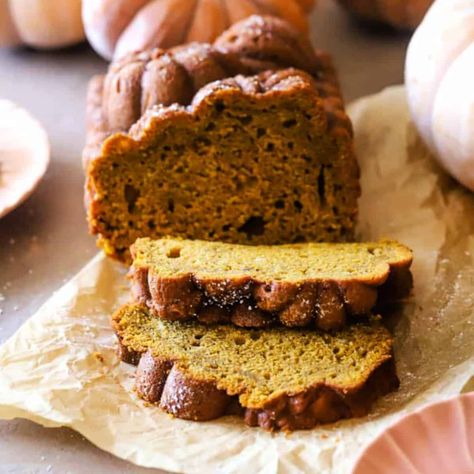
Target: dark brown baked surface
{"x":242,"y":141}
{"x":314,"y":285}
{"x":275,"y":378}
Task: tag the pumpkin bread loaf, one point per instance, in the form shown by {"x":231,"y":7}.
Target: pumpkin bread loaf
{"x":319,"y":285}
{"x":276,"y":378}
{"x":242,"y":141}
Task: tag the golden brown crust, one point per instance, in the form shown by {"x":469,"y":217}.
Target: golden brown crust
{"x":165,"y":384}
{"x":262,"y":43}
{"x":97,"y":132}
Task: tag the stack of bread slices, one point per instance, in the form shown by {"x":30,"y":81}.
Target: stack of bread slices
{"x":225,"y":174}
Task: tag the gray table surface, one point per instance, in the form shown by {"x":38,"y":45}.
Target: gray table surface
{"x":44,"y":242}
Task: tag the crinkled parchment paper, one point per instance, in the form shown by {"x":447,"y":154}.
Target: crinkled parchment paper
{"x":61,"y":368}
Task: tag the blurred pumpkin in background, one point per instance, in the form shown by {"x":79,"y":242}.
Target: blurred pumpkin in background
{"x":439,"y":78}
{"x":43,"y":24}
{"x":400,"y":14}
{"x":117,"y":27}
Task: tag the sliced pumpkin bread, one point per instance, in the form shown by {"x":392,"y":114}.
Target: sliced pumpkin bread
{"x":276,"y":378}
{"x":312,"y":284}
{"x":245,"y":141}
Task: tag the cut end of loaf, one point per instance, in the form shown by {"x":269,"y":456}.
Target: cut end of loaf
{"x":254,"y":168}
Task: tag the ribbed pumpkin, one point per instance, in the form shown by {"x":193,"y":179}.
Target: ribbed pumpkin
{"x":439,"y":77}
{"x":43,"y":24}
{"x":401,"y":14}
{"x":117,"y":27}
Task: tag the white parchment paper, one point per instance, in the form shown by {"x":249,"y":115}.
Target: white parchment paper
{"x":61,"y":368}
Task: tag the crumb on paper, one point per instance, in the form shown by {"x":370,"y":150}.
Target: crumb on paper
{"x":98,"y":356}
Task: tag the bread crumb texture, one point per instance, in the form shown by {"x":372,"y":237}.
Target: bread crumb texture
{"x":367,"y":262}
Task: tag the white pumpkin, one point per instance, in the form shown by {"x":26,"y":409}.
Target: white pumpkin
{"x":439,"y":77}
{"x":40,"y":23}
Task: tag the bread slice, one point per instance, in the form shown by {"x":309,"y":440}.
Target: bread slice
{"x":276,"y":378}
{"x":314,"y":284}
{"x":243,"y":141}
